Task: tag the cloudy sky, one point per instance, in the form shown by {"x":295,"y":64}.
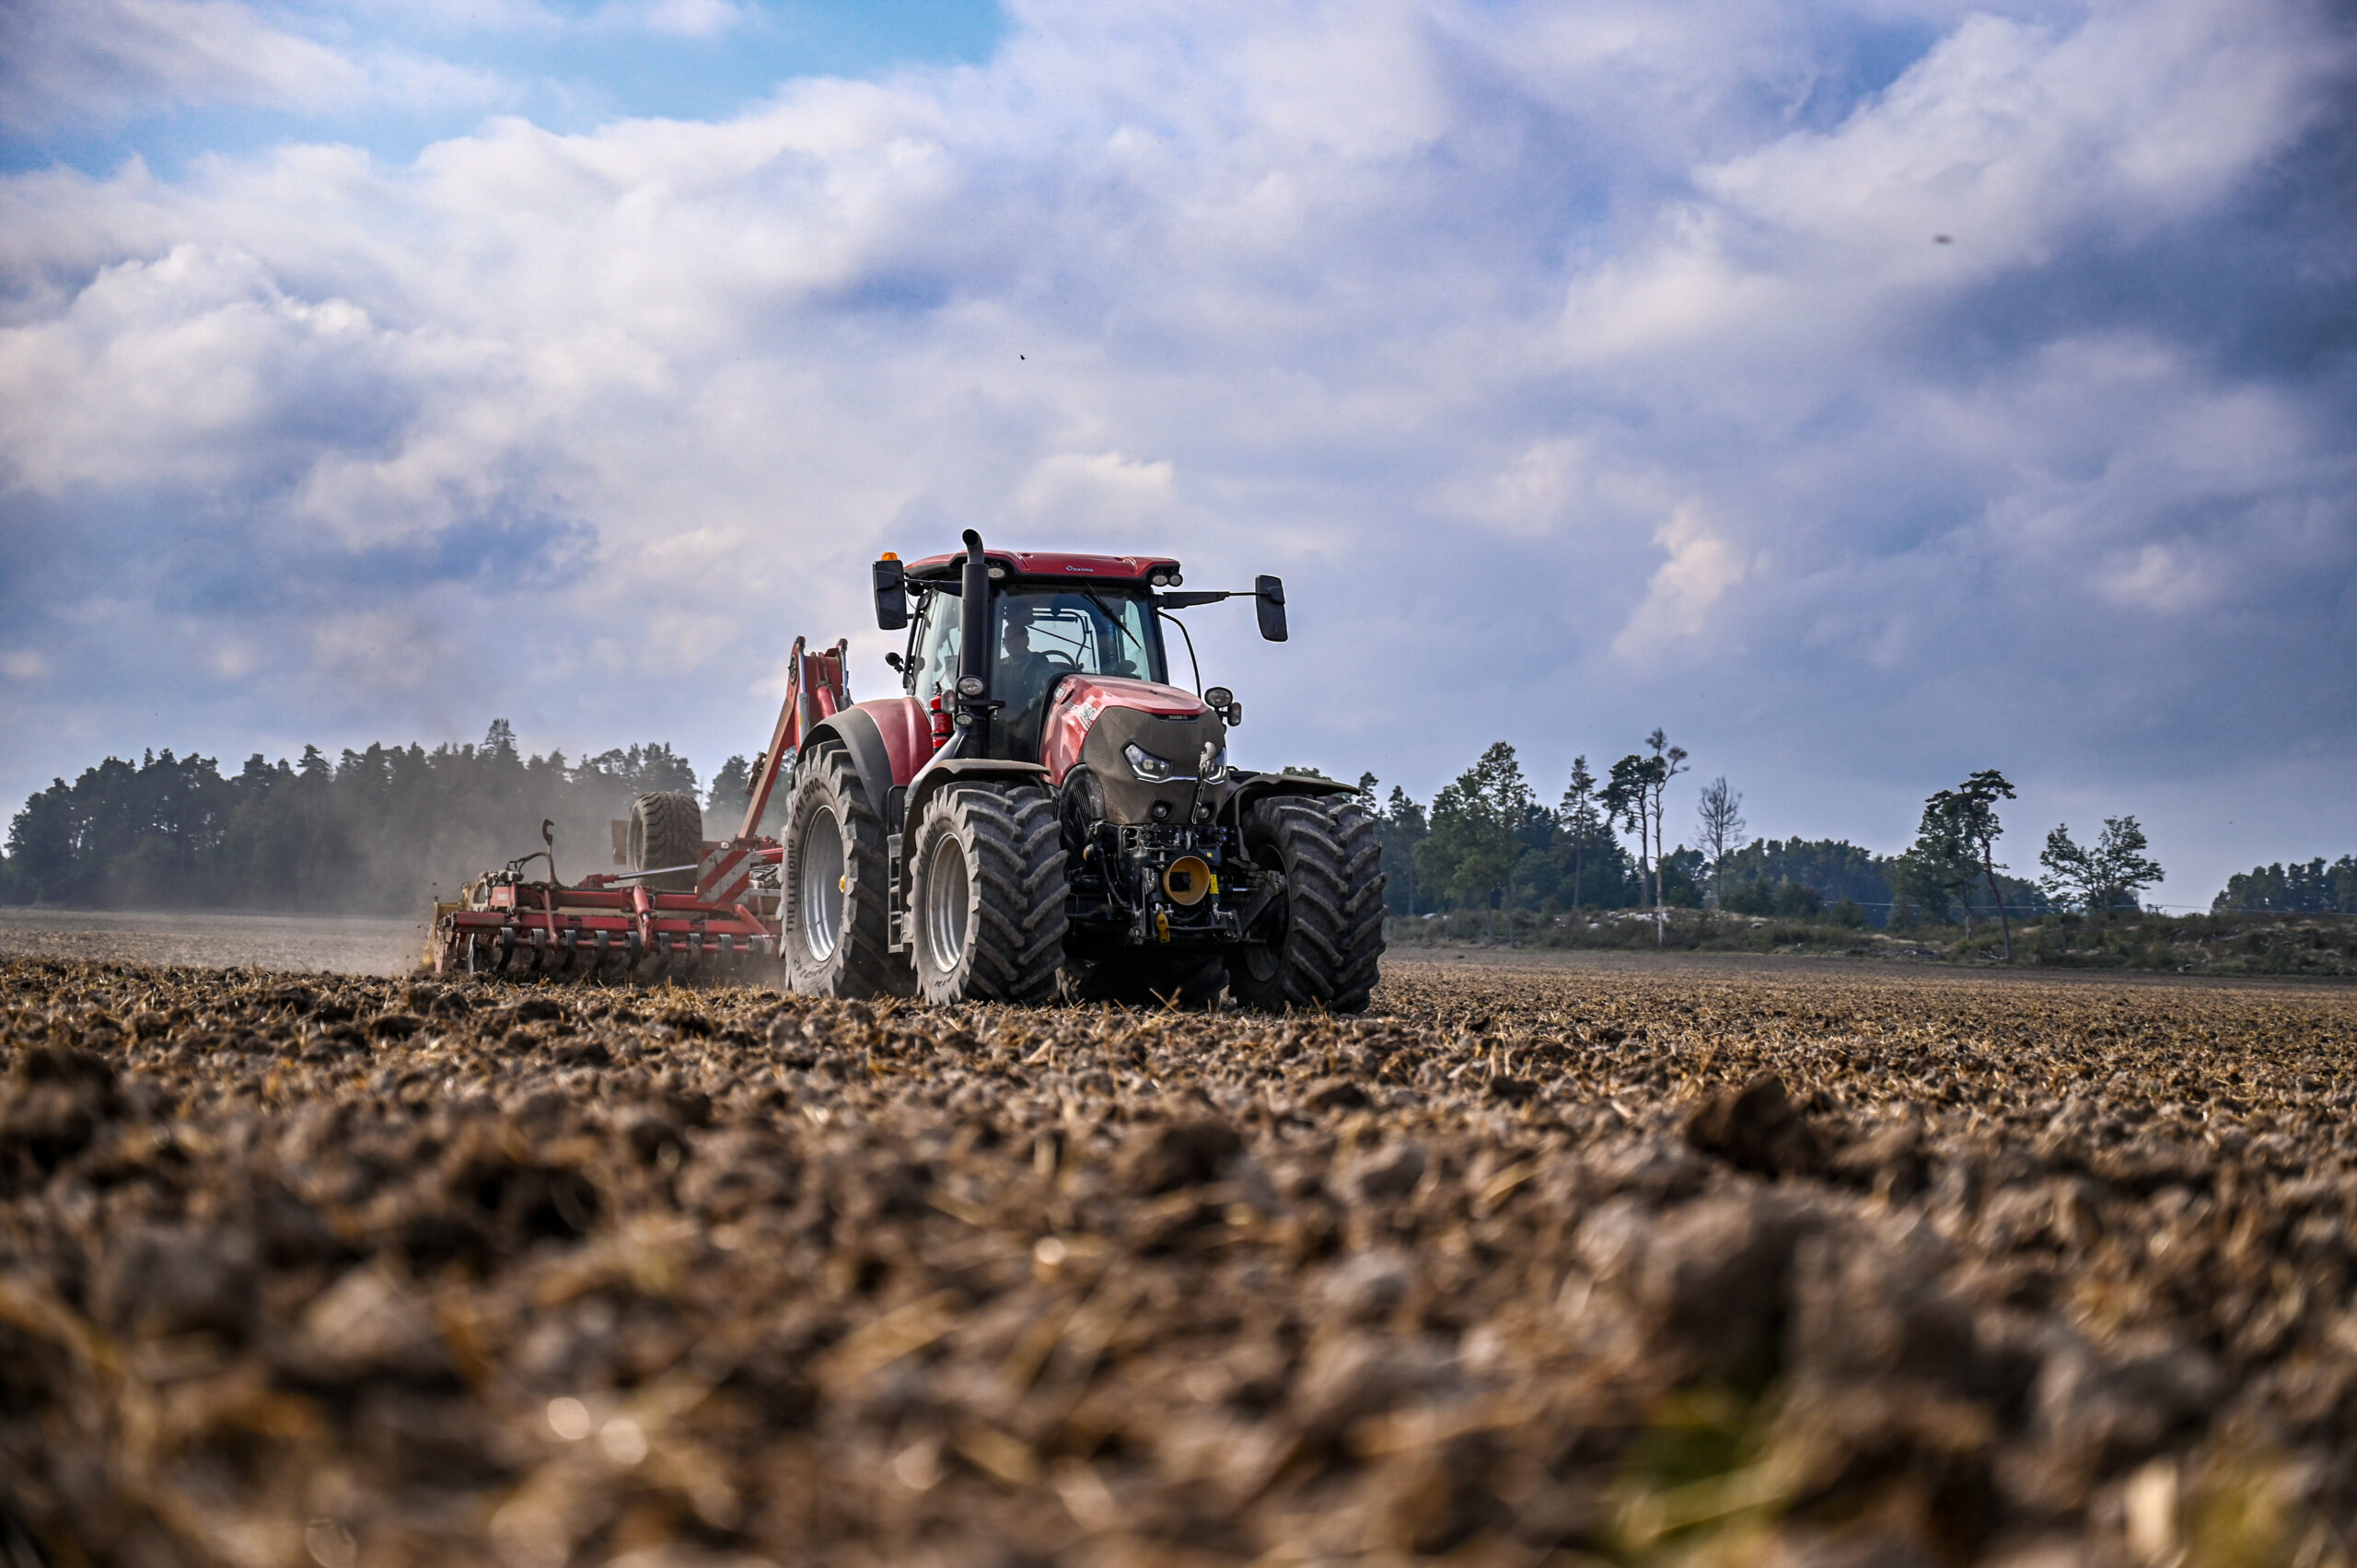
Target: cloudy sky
{"x":1868,"y":394}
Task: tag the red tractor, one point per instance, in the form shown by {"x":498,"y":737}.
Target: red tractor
{"x":1039,"y":810}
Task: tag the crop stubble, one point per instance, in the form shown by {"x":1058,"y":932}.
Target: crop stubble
{"x":1526,"y":1265}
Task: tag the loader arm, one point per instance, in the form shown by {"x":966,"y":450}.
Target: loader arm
{"x":817,"y":687}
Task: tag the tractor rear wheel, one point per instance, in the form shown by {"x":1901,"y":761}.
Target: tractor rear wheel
{"x":986,"y":903}
{"x":837,"y":884}
{"x":666,"y":830}
{"x":1322,"y":943}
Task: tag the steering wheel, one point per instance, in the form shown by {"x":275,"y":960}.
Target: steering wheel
{"x":1060,"y":658}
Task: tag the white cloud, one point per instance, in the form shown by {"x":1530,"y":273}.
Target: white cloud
{"x":2160,"y":577}
{"x":66,"y":65}
{"x":66,"y":59}
{"x":1684,"y":591}
{"x":1072,"y":495}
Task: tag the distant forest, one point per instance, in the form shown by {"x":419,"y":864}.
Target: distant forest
{"x":373,"y":832}
{"x":380,"y":830}
{"x":1487,"y":839}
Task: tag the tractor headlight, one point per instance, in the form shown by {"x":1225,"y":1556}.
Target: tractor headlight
{"x":1213,"y":768}
{"x":1145,"y":764}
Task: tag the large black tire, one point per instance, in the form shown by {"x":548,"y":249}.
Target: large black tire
{"x":836,"y":885}
{"x":1147,"y":977}
{"x":1324,"y":944}
{"x":667,"y":829}
{"x":986,"y":901}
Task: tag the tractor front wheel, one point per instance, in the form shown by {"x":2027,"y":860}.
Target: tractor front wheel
{"x":986,"y":906}
{"x":837,"y":884}
{"x":1321,"y":943}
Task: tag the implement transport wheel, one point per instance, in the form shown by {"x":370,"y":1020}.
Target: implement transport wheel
{"x":837,"y":878}
{"x":1186,"y":977}
{"x":986,"y":909}
{"x":1321,"y":942}
{"x":667,"y":829}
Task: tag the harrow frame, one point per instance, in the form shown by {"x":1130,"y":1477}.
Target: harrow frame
{"x":609,"y":926}
{"x":606,"y":921}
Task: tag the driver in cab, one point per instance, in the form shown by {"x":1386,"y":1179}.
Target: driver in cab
{"x":1023,"y":678}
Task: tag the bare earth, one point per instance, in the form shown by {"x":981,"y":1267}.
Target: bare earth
{"x":1584,"y":1260}
{"x":328,"y":944}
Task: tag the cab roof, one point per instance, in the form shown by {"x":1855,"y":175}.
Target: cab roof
{"x":1051,"y":565}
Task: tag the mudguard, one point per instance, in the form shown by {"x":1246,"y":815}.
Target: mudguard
{"x":856,"y":730}
{"x":1244,"y":790}
{"x":940,"y":775}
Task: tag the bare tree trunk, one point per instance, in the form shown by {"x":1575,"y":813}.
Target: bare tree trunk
{"x":1661,"y":914}
{"x":1988,"y":867}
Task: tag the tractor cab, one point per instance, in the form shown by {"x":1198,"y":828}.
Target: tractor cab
{"x":1049,"y":617}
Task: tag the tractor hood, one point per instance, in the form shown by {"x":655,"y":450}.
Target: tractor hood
{"x":1095,"y":720}
{"x":1088,"y":695}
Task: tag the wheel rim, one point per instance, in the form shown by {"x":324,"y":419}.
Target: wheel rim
{"x":944,"y":901}
{"x":822,"y":884}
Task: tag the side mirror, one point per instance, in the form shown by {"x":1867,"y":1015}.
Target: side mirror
{"x":1269,"y":603}
{"x":891,"y":595}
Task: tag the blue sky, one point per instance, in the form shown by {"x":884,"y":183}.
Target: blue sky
{"x":1867,"y":393}
{"x":94,"y":84}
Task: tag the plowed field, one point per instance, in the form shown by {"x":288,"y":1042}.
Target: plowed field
{"x":1527,"y":1265}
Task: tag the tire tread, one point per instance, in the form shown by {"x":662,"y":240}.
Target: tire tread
{"x":864,"y":965}
{"x":1015,"y":933}
{"x":1331,"y":953}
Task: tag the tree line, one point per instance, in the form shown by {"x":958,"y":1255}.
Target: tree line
{"x":2312,"y":889}
{"x":373,"y":830}
{"x":368,"y":832}
{"x":1488,"y":841}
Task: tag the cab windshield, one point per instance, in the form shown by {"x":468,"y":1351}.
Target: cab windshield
{"x":1046,"y":633}
{"x":1093,"y":631}
{"x":1042,"y":632}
